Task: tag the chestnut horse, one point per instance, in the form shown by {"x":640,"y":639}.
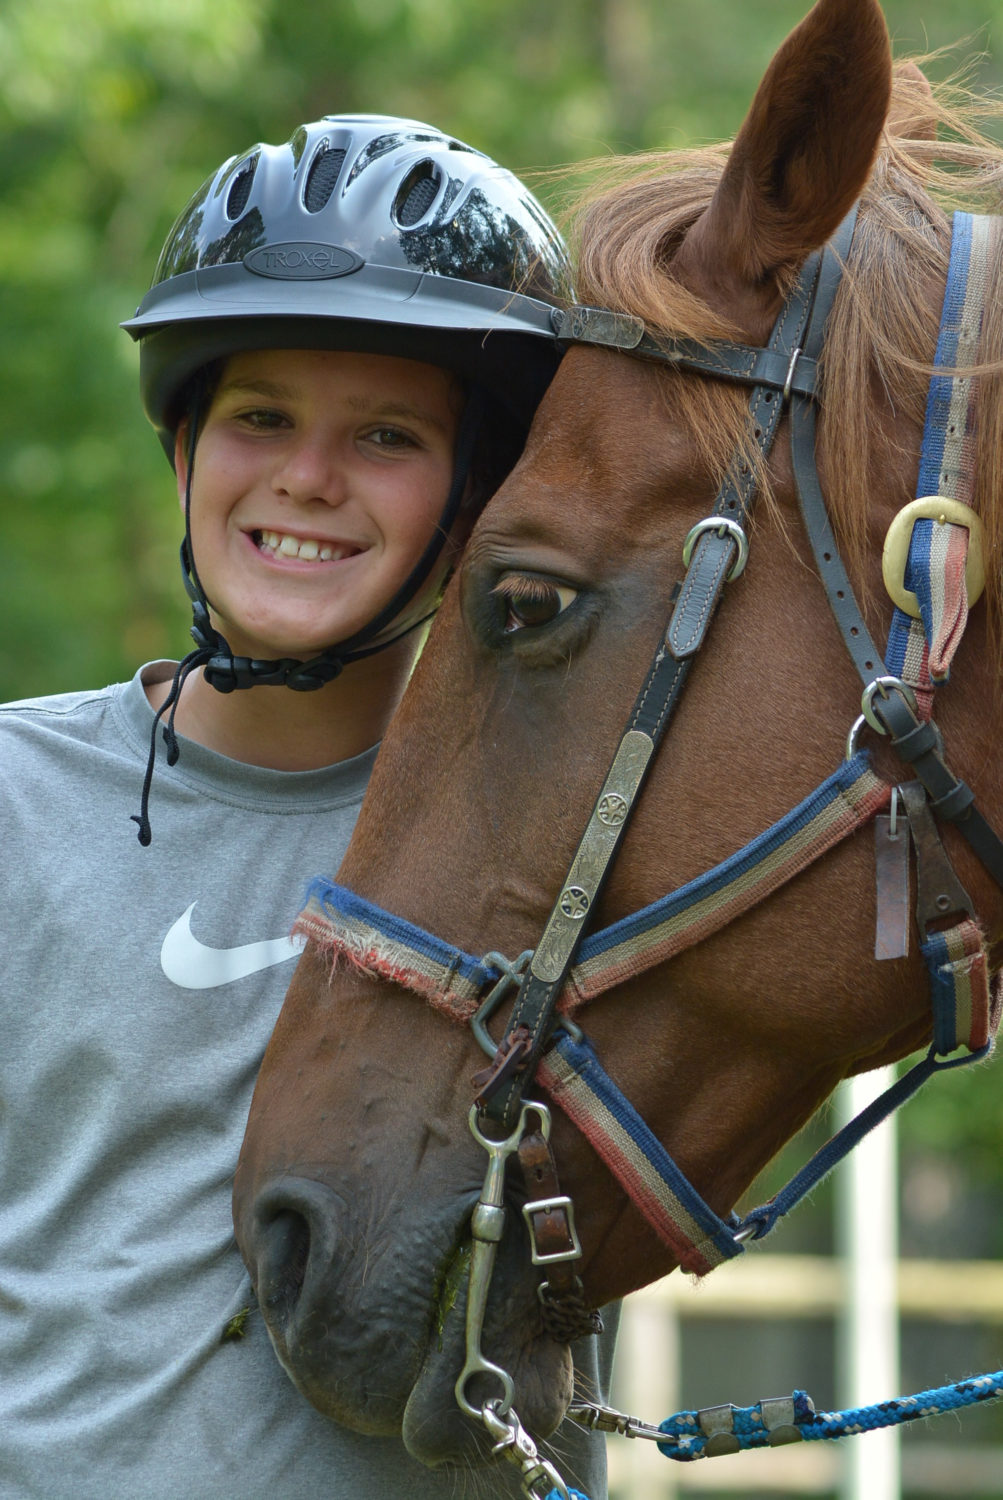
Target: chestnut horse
{"x":358,"y":1173}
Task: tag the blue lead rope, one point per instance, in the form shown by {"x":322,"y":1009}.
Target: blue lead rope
{"x":692,"y":1434}
{"x":718,"y":1430}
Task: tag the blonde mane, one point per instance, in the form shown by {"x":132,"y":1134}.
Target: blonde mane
{"x":626,"y":225}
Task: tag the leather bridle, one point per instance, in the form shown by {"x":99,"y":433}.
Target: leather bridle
{"x":715,"y":551}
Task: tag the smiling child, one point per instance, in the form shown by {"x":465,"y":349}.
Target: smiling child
{"x":342,"y":349}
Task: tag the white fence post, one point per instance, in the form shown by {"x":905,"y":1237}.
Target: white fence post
{"x":867,"y":1238}
{"x":646,"y":1384}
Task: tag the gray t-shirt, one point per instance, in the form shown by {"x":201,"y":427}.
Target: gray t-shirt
{"x":140,"y":987}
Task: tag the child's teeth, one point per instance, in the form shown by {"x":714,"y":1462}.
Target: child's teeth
{"x":308,"y":550}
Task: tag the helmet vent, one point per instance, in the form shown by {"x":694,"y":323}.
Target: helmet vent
{"x":240,"y":189}
{"x":416,"y":194}
{"x":323,"y":175}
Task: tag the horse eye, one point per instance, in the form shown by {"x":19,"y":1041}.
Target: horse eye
{"x":532,"y":602}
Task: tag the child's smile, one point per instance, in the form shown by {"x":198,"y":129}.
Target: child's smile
{"x":284,"y":546}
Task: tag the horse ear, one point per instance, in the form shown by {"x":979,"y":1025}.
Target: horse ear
{"x":912,"y":115}
{"x":802,"y":156}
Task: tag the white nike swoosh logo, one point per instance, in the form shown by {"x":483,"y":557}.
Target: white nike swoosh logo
{"x":193,"y":966}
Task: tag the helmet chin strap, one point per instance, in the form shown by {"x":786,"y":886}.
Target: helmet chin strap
{"x":227,"y":672}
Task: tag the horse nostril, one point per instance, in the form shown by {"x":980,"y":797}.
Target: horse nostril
{"x":283,"y":1253}
{"x":293,"y":1242}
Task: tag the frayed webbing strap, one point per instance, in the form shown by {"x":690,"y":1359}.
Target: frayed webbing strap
{"x":920,"y":650}
{"x":963,"y":1011}
{"x":347,"y":927}
{"x":849,"y":798}
{"x":574,"y":1078}
{"x":947,"y":460}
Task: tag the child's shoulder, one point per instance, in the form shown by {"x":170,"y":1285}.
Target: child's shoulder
{"x":59,"y":705}
{"x":56,"y":722}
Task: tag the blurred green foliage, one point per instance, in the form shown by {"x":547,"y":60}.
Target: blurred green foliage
{"x":111,"y":115}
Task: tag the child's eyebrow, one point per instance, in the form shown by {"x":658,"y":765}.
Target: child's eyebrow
{"x":405,"y":411}
{"x":274,"y":390}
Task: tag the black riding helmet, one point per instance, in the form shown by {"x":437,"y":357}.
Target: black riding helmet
{"x":371,"y":234}
{"x":366,"y":233}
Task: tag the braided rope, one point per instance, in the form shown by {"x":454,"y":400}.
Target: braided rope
{"x":733,"y":1429}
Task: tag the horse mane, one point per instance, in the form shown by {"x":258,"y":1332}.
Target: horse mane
{"x":625,"y":227}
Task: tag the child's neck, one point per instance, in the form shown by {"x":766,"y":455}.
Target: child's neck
{"x":291,"y":731}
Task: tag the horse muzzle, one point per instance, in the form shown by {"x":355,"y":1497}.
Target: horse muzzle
{"x":367,"y":1317}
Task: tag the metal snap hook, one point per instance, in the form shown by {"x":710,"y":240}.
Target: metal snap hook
{"x":487,"y":1225}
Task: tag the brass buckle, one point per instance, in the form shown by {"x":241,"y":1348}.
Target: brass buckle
{"x":895,"y":553}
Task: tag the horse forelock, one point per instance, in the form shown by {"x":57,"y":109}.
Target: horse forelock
{"x":626,"y":226}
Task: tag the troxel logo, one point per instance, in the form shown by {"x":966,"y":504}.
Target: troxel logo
{"x":302,"y":260}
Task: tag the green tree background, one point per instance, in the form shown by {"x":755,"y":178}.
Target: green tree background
{"x":113,"y":112}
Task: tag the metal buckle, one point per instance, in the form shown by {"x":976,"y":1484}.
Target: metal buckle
{"x":884,"y":686}
{"x":511,"y":978}
{"x":723,"y":526}
{"x":895,"y":553}
{"x":795,"y":356}
{"x":539,"y":1478}
{"x":549,"y":1206}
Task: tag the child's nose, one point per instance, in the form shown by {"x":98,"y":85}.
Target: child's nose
{"x":311,"y":470}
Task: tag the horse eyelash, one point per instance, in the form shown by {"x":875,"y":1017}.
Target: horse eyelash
{"x":522,"y":587}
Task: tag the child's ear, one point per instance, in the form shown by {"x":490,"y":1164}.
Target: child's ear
{"x":181,"y":459}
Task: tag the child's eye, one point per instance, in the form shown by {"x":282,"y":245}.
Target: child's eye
{"x":532,"y":602}
{"x":262,"y":418}
{"x":390,"y":437}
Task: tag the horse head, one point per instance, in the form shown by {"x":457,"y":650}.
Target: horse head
{"x":358,"y":1173}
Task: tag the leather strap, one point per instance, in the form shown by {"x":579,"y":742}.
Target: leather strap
{"x":842,"y":601}
{"x":789,"y":371}
{"x":919,"y":744}
{"x":696,"y":602}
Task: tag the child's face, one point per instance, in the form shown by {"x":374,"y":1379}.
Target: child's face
{"x":319,"y":479}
